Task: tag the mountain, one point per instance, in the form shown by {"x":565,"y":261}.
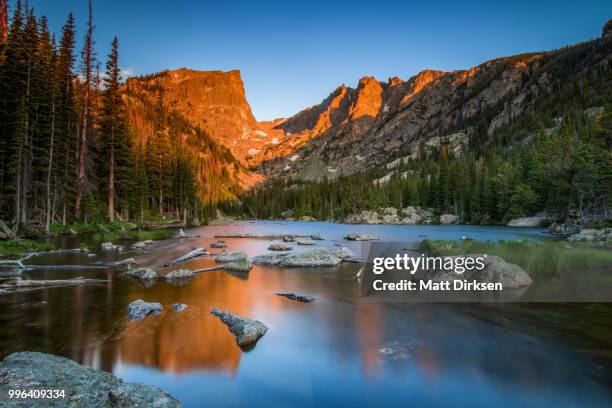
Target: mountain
{"x":358,"y":128}
{"x":194,"y":115}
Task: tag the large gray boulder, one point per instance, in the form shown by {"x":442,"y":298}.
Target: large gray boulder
{"x":139,"y":309}
{"x":307,"y":258}
{"x":233,"y":256}
{"x":84,"y":386}
{"x":496,"y":270}
{"x":535,"y":221}
{"x":448,"y":219}
{"x":247,"y":331}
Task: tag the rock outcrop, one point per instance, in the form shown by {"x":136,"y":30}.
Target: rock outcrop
{"x":405,"y":216}
{"x":84,"y":386}
{"x":247,"y":331}
{"x":534,"y":221}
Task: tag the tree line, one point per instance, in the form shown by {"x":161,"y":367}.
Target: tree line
{"x":555,"y":159}
{"x":68,"y":152}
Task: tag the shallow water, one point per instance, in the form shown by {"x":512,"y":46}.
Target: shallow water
{"x":333,"y":352}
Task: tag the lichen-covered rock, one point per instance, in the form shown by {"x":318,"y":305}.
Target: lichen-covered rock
{"x":180,"y":274}
{"x":308,"y":258}
{"x":361,"y":237}
{"x":233,"y":256}
{"x":344,"y":252}
{"x":84,"y":386}
{"x":241,"y":265}
{"x":139,"y":309}
{"x":247,"y":331}
{"x":279,"y":247}
{"x":144,"y":274}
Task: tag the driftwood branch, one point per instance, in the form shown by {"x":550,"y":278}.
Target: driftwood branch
{"x":213,"y":268}
{"x":193,"y":254}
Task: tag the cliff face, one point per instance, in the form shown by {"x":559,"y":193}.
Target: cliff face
{"x":353,"y":129}
{"x":199,"y":116}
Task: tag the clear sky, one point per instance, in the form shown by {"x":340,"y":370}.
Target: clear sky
{"x":293,"y":54}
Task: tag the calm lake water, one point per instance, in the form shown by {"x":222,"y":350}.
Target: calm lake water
{"x":333,"y":352}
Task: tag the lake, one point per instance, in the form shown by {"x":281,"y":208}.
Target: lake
{"x":341,"y":350}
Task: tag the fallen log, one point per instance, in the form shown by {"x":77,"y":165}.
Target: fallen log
{"x":27,"y":283}
{"x":193,"y":254}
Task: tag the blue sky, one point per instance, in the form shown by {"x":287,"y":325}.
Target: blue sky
{"x":293,"y":54}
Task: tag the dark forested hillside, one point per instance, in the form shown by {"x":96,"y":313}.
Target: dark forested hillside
{"x":80,"y":146}
{"x":544,"y":145}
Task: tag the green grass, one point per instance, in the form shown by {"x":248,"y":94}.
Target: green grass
{"x":17,"y":247}
{"x":142,"y":235}
{"x":545,"y":259}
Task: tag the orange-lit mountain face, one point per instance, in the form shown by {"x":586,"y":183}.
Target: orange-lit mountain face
{"x":356,"y":128}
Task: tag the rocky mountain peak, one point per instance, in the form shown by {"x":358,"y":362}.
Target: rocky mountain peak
{"x":607,"y":30}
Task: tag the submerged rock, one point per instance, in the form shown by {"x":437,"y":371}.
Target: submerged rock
{"x":179,"y":307}
{"x":139,"y":309}
{"x":304,"y":241}
{"x":310,"y":257}
{"x":231,"y":257}
{"x":247,"y":331}
{"x":279,"y":247}
{"x":344,"y":252}
{"x":144,"y":274}
{"x":218,"y":244}
{"x":179,"y":274}
{"x":84,"y":386}
{"x":397,"y":350}
{"x":361,"y":237}
{"x":297,"y":298}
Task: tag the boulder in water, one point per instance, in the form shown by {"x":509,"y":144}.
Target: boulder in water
{"x":179,"y":307}
{"x":361,"y":237}
{"x":247,"y":331}
{"x":179,"y":274}
{"x":304,"y":241}
{"x":233,"y":256}
{"x":279,"y":247}
{"x":310,"y":257}
{"x":144,"y":274}
{"x":139,"y":309}
{"x":297,"y":298}
{"x":344,"y":252}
